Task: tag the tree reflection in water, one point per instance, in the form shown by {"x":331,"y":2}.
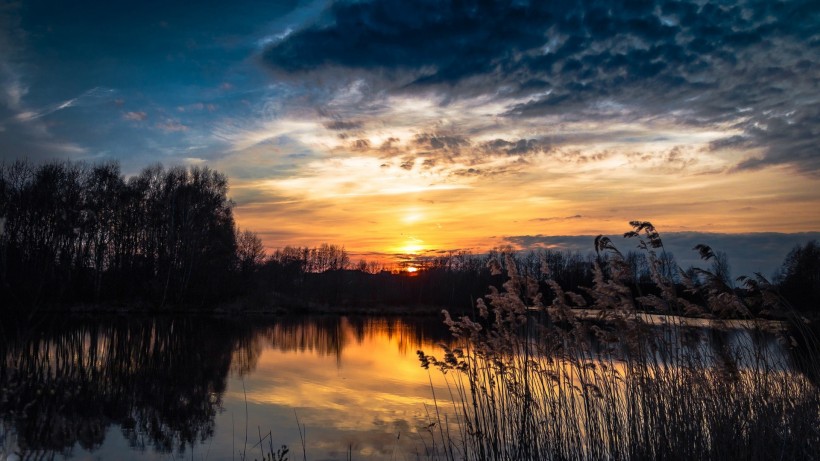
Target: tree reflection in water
{"x":161,"y":380}
{"x":66,"y":383}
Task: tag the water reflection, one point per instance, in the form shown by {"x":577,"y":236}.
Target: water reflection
{"x":149,"y":388}
{"x":162,"y":381}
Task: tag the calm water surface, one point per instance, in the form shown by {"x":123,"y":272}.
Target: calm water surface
{"x":174,"y":388}
{"x":205,"y":388}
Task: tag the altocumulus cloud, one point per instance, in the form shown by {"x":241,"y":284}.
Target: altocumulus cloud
{"x":750,"y":67}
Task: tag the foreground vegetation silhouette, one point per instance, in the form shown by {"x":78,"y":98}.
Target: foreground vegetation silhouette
{"x":531,"y":380}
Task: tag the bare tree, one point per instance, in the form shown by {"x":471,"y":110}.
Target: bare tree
{"x":250,"y":251}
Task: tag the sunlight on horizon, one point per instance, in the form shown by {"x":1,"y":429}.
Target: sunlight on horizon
{"x":481,"y":217}
{"x":415,"y":172}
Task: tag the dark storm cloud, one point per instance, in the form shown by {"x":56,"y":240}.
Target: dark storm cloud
{"x":748,"y":253}
{"x":753,"y":65}
{"x":452,"y":41}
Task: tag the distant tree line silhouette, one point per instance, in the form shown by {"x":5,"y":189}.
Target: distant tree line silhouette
{"x":72,"y":233}
{"x":324,"y":277}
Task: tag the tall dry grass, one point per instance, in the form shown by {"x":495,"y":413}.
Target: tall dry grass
{"x":530,"y":381}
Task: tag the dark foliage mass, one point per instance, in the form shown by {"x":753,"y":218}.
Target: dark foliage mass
{"x":78,"y":233}
{"x":799,"y":276}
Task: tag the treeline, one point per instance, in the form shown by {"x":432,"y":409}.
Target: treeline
{"x":317,"y":277}
{"x":325,"y":277}
{"x":72,"y":233}
{"x":75,"y":233}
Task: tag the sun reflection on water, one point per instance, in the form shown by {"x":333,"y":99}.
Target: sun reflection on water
{"x":364,"y":388}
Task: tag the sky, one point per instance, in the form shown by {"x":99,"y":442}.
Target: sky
{"x":417,"y":128}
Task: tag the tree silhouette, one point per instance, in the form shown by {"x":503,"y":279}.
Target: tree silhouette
{"x":77,"y":233}
{"x":799,"y":276}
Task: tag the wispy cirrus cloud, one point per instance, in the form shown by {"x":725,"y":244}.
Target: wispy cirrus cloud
{"x":93,"y":96}
{"x":21,"y":127}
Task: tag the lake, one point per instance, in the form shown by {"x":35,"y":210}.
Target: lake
{"x":211,"y":388}
{"x":204,"y":388}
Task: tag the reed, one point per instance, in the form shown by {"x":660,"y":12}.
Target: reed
{"x":531,"y":381}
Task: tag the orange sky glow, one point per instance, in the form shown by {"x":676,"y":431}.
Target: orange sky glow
{"x":415,"y":128}
{"x":382,"y":199}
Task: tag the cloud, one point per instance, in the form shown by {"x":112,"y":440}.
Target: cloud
{"x":748,"y":68}
{"x":23,"y":132}
{"x":517,"y":147}
{"x":436,"y":141}
{"x":135,"y":116}
{"x":14,"y":89}
{"x":172,"y":126}
{"x":196,"y":107}
{"x":577,"y":216}
{"x":358,"y":177}
{"x":340,"y":125}
{"x":94,"y":96}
